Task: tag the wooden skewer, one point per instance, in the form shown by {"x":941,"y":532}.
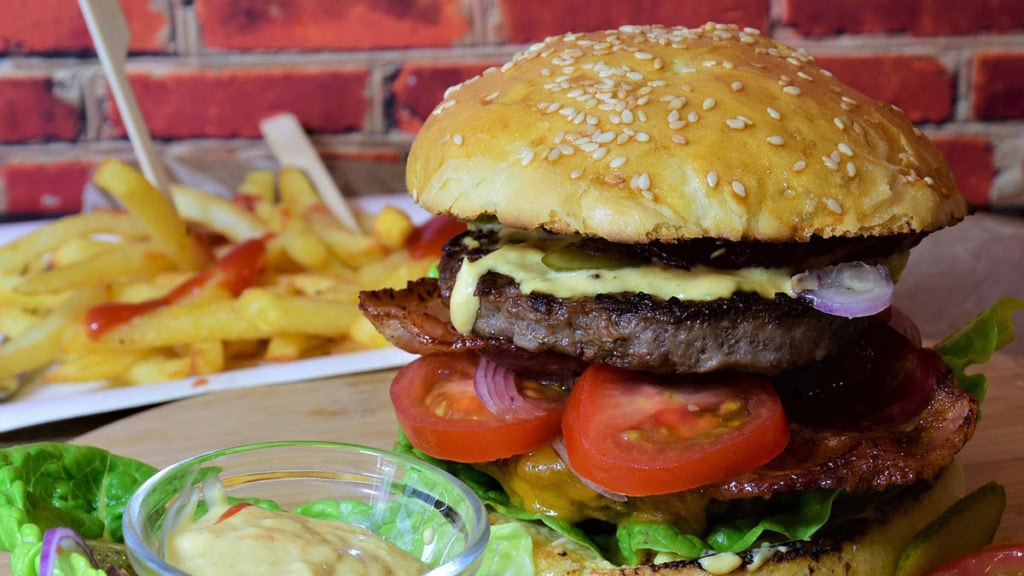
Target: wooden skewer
{"x":291,"y":146}
{"x":110,"y":36}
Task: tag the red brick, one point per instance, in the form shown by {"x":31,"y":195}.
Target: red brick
{"x":997,"y":90}
{"x":329,"y":24}
{"x":42,"y":188}
{"x":917,"y":17}
{"x":419,"y":87}
{"x":45,"y":26}
{"x":973,"y":164}
{"x":920,"y":85}
{"x":30,"y":111}
{"x":230,"y":102}
{"x":531,"y":20}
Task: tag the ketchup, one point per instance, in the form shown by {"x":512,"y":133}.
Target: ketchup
{"x":430,"y":238}
{"x":237,"y":270}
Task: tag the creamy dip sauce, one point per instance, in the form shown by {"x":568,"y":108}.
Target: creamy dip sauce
{"x":249,"y":540}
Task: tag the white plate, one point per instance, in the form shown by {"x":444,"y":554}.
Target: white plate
{"x":39,"y":402}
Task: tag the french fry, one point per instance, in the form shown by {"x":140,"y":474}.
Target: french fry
{"x":9,"y":296}
{"x":352,"y":248}
{"x":156,"y":367}
{"x":392,"y":227}
{"x":206,"y":357}
{"x":297,"y":193}
{"x":15,"y":320}
{"x":76,"y":249}
{"x":304,"y":248}
{"x":38,"y":345}
{"x":282,"y":313}
{"x":183,"y":323}
{"x":153,"y":209}
{"x":259,"y":184}
{"x":288,"y":347}
{"x":17,"y":254}
{"x":134,"y":260}
{"x":93,"y":364}
{"x":217,"y":214}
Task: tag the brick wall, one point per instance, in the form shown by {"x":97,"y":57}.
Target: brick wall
{"x":363,"y":74}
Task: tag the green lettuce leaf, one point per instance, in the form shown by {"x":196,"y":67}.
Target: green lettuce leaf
{"x":509,"y":551}
{"x":46,"y":485}
{"x":977,"y":341}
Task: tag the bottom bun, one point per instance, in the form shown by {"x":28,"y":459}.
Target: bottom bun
{"x":869,"y":546}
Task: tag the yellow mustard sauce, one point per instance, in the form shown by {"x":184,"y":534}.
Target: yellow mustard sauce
{"x":523,"y":262}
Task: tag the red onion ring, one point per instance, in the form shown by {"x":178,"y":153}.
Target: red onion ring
{"x":57,"y":540}
{"x":850,"y":289}
{"x":496,"y":387}
{"x":558,"y":444}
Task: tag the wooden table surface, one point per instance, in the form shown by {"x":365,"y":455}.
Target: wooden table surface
{"x":955,"y":273}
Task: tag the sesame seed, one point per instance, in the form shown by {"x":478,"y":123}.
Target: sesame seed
{"x":553,"y":107}
{"x":643,"y":55}
{"x":614,"y":179}
{"x":677,"y":103}
{"x":627,"y":116}
{"x":845,"y":149}
{"x":833,"y":205}
{"x":545,"y":72}
{"x":566,"y":150}
{"x":774,"y":113}
{"x":805,"y":76}
{"x":490,"y":97}
{"x":791,"y":90}
{"x":709,"y":63}
{"x":617,"y":162}
{"x":599,"y":153}
{"x":739,"y":189}
{"x":589,"y":146}
{"x":554,"y":154}
{"x":712,"y":178}
{"x":775,"y":140}
{"x":929,"y":180}
{"x":507,"y":66}
{"x":575,"y":174}
{"x":659,"y":63}
{"x":623,"y":138}
{"x":736,"y":86}
{"x":592,"y":120}
{"x":641,"y":115}
{"x":839,"y":123}
{"x":615,"y":118}
{"x":643,"y":100}
{"x":644,"y":182}
{"x":832,"y":164}
{"x":799,"y":165}
{"x":693,"y":116}
{"x":677,"y":125}
{"x":679,"y":138}
{"x":835,"y":156}
{"x":527,"y":157}
{"x":851,"y":169}
{"x":605,"y":137}
{"x":708,"y":104}
{"x":849,"y":100}
{"x":735,"y":123}
{"x":673,"y":116}
{"x":647,"y":194}
{"x":642,"y":137}
{"x":457,"y":139}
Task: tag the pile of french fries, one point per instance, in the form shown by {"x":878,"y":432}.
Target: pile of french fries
{"x":303,"y":302}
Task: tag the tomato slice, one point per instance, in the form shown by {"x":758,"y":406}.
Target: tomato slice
{"x":428,"y":240}
{"x":1001,"y":559}
{"x":641,"y":434}
{"x":438,"y":408}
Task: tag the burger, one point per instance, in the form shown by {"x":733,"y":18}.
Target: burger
{"x":665,"y":341}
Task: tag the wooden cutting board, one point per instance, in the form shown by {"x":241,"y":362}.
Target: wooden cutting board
{"x":356,"y":409}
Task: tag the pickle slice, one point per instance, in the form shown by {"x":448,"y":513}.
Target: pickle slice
{"x":567,"y":258}
{"x":967,"y":526}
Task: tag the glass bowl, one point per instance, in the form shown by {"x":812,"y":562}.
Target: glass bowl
{"x":423,"y":510}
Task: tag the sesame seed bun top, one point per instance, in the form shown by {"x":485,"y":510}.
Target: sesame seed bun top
{"x":652,"y":133}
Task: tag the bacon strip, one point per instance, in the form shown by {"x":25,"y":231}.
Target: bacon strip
{"x":861,"y":460}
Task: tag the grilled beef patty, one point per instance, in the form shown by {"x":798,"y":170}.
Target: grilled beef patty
{"x":639,"y":332}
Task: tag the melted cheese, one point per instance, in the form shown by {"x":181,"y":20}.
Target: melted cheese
{"x":523,"y":263}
